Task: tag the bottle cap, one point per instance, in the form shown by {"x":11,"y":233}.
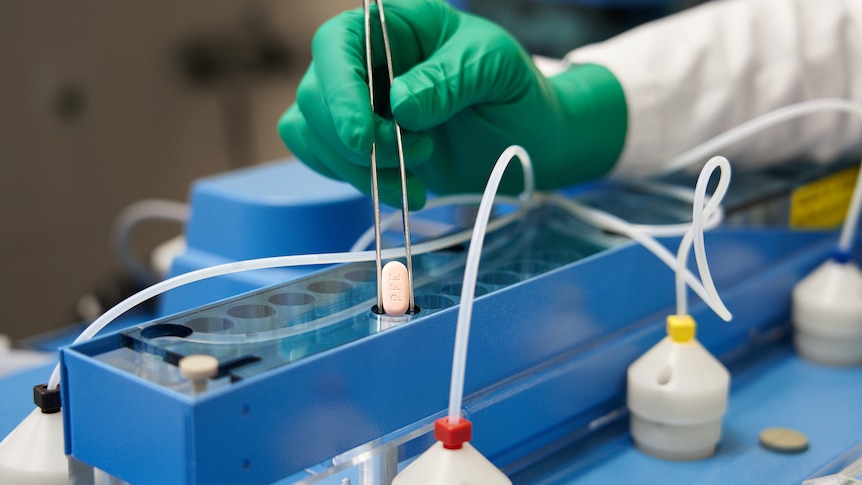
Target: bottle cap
{"x":453,"y":435}
{"x":681,"y":328}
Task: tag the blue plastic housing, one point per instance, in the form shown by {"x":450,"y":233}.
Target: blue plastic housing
{"x":547,"y":357}
{"x":267,"y":210}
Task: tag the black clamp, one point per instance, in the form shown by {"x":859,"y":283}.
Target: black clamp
{"x":47,"y":399}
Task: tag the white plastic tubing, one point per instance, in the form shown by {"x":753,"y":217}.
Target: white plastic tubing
{"x":277,"y":262}
{"x":701,"y":210}
{"x":704,"y":208}
{"x":471,"y":271}
{"x":131,"y":217}
{"x":750,"y":128}
{"x":706,"y":214}
{"x":643,"y":234}
{"x":640,"y":233}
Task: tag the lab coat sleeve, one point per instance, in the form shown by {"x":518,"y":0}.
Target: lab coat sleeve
{"x":693,"y":75}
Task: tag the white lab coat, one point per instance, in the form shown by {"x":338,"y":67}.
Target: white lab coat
{"x":693,"y":75}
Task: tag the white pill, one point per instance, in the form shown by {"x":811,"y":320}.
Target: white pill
{"x":396,"y":300}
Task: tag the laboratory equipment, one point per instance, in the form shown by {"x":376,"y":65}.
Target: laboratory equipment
{"x":305,"y":382}
{"x":453,"y":455}
{"x":827,"y":314}
{"x":677,"y":392}
{"x":233,"y":219}
{"x":548,"y":324}
{"x":452,"y":459}
{"x":33,"y":452}
{"x":677,"y":395}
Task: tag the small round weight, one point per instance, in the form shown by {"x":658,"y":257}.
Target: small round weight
{"x":783,"y":440}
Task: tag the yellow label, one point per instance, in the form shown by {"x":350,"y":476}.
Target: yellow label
{"x":823,"y":204}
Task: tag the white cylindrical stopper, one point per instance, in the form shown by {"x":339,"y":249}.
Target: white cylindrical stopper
{"x":827,"y":314}
{"x":677,"y":395}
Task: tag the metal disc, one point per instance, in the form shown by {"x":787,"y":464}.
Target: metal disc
{"x":783,"y":440}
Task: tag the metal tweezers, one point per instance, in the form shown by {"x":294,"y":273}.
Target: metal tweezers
{"x":374,"y":186}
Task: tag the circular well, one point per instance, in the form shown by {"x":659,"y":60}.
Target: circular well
{"x":433,"y":302}
{"x":166,"y":330}
{"x":559,"y":257}
{"x":360,"y":275}
{"x":528,"y":267}
{"x":210,"y":324}
{"x":499,"y":278}
{"x":291,"y":299}
{"x":329,"y":287}
{"x":251,"y":311}
{"x":454,"y":289}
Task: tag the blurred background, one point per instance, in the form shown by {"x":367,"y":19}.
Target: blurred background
{"x":106,"y":103}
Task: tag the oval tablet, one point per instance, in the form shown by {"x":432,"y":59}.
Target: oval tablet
{"x":396,"y":301}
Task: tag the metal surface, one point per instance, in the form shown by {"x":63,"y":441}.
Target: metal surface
{"x":405,"y":209}
{"x":375,"y":187}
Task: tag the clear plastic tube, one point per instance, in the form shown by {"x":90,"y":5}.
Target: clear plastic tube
{"x":471,"y":270}
{"x":265,"y":263}
{"x":695,"y":235}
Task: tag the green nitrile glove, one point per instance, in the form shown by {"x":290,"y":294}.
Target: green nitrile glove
{"x":464,"y":90}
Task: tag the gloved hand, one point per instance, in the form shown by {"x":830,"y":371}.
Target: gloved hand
{"x":464,"y":90}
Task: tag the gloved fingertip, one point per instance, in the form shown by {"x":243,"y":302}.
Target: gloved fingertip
{"x":418,"y":148}
{"x":286,"y":123}
{"x":417,"y":197}
{"x":290,"y":125}
{"x":391,"y":198}
{"x":406,"y":106}
{"x":390,"y":193}
{"x":355,"y":132}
